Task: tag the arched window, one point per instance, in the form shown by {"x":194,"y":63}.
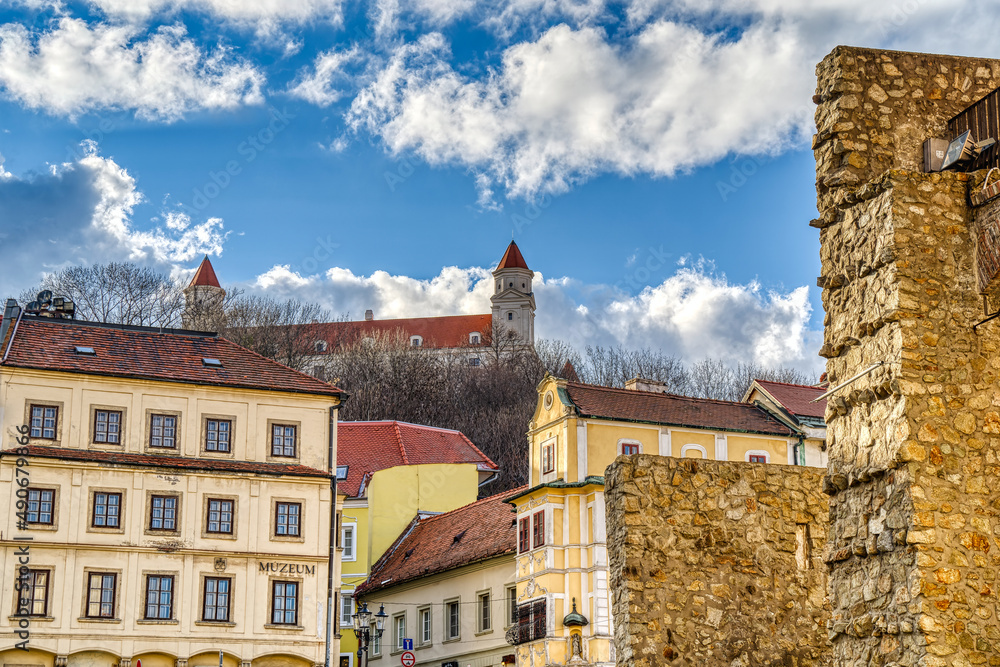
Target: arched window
{"x":693,"y":449}
{"x":416,"y":341}
{"x":474,"y":338}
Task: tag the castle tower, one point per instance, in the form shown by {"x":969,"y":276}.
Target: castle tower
{"x":203,"y":300}
{"x":513,"y":301}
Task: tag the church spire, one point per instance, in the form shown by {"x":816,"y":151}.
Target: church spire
{"x":512,"y":259}
{"x":205,"y":275}
{"x":203,"y":300}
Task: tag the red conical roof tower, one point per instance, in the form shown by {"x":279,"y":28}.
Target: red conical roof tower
{"x":512,"y":258}
{"x":205,"y":275}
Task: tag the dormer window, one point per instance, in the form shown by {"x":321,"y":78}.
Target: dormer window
{"x":416,"y":341}
{"x":83,"y":349}
{"x":341,"y":473}
{"x":320,"y":346}
{"x":474,"y":338}
{"x":208,"y":361}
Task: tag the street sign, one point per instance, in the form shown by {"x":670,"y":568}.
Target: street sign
{"x":408,"y":659}
{"x":407,"y":644}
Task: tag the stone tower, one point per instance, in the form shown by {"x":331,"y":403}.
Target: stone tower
{"x":203,"y":300}
{"x":914,"y":441}
{"x":513,"y":301}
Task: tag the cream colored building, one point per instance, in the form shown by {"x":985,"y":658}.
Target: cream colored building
{"x":170,"y":497}
{"x":447,"y":585}
{"x":576,"y":432}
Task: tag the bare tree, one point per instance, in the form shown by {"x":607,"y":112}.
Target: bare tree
{"x":285,"y":331}
{"x":117,"y":292}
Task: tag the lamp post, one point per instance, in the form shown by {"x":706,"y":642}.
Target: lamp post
{"x":363,"y":629}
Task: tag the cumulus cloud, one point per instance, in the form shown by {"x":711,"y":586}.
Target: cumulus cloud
{"x":573,"y":103}
{"x":694,"y":313}
{"x":75,"y":67}
{"x":81,"y":213}
{"x":271,"y":12}
{"x":319,"y":85}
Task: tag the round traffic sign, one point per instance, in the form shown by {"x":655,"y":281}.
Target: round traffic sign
{"x":408,"y":659}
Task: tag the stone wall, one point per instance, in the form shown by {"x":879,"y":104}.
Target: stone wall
{"x":914,"y":453}
{"x":717,"y":563}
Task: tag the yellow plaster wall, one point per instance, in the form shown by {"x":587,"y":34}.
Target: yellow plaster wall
{"x":603,"y":437}
{"x":681,"y":437}
{"x":739,"y":445}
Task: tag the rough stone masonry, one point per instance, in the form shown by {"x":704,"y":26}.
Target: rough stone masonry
{"x":914,"y":447}
{"x":717,"y":563}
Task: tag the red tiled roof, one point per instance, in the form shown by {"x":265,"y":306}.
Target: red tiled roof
{"x":152,"y":354}
{"x":657,"y":408}
{"x":485,"y":529}
{"x":512,"y":258}
{"x":173,"y":462}
{"x":205,"y":275}
{"x":796,"y":397}
{"x":367,"y":447}
{"x":436,"y":332}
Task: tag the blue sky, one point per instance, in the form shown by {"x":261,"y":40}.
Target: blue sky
{"x":650,"y":157}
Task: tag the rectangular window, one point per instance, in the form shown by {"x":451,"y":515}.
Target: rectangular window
{"x":215,"y":605}
{"x":548,"y":458}
{"x":220,"y":516}
{"x":347,"y":541}
{"x":43,"y":421}
{"x":511,"y":605}
{"x":40,"y":504}
{"x":424,"y":621}
{"x":346,"y":609}
{"x":285,"y":602}
{"x":286,"y":520}
{"x":531,"y":621}
{"x":159,"y":597}
{"x":107,"y":510}
{"x":163,"y":513}
{"x":454,"y":612}
{"x":108,"y":426}
{"x":399,"y":631}
{"x":217,"y":435}
{"x":282,"y":440}
{"x":101,"y":595}
{"x":376,"y":641}
{"x":163,"y":431}
{"x":758,"y":458}
{"x":485,"y":620}
{"x":524,"y":535}
{"x":629,"y":448}
{"x":33,"y":597}
{"x":538,"y":529}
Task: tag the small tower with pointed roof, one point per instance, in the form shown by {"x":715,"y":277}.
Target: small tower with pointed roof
{"x":513,"y":300}
{"x":203,"y":300}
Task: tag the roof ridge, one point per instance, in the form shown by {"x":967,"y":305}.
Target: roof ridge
{"x":658,"y":393}
{"x":790,"y":384}
{"x":399,"y":439}
{"x":480,"y":501}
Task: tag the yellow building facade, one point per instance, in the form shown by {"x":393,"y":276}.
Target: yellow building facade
{"x":563,"y":598}
{"x":391,"y":472}
{"x":164,"y":496}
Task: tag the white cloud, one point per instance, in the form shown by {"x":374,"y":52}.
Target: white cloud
{"x":572,"y":104}
{"x":81,"y":213}
{"x":75,"y":67}
{"x":693,"y":313}
{"x":270,"y":12}
{"x":319,"y":85}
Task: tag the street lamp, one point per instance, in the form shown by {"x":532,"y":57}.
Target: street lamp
{"x":362,"y":629}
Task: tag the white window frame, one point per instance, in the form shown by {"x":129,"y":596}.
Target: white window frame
{"x":376,"y":642}
{"x":346,"y":595}
{"x":480,"y":626}
{"x":398,"y":622}
{"x":511,"y":607}
{"x":757,"y":452}
{"x":448,"y":637}
{"x":628,"y":441}
{"x":686,"y":448}
{"x":428,"y":638}
{"x":352,"y":554}
{"x":475,"y":338}
{"x":416,"y":341}
{"x":553,"y":443}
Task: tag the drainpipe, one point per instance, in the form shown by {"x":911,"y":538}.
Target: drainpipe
{"x":332,"y":558}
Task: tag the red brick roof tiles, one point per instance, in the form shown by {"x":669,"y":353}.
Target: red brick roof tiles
{"x":485,"y":529}
{"x":153,"y":354}
{"x":173,"y":462}
{"x":657,"y":408}
{"x":367,"y":447}
{"x":512,"y":258}
{"x":436,"y":332}
{"x":205,"y":275}
{"x":796,"y":398}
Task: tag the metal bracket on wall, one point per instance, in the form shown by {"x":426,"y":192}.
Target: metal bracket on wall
{"x":986,"y":312}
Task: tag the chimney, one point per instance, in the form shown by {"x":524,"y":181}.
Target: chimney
{"x":641,"y":384}
{"x":369,"y":315}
